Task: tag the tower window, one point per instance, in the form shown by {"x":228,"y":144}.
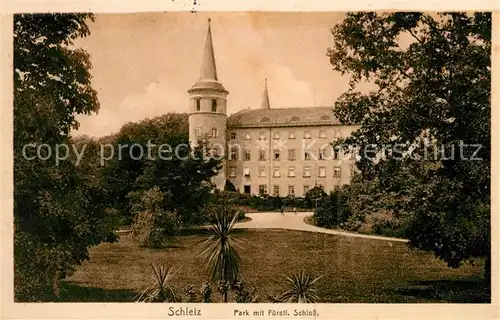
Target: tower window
{"x":197,"y":132}
{"x":197,"y":104}
{"x":233,"y":135}
{"x":214,"y":105}
{"x":215,"y":133}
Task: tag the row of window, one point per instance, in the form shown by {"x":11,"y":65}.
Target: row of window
{"x":306,"y":172}
{"x":214,"y":133}
{"x":276,"y":189}
{"x":291,"y":135}
{"x":276,"y":135}
{"x":197,"y":103}
{"x":308,"y":155}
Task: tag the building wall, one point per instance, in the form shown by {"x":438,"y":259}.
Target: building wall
{"x":284,"y":142}
{"x":203,"y":121}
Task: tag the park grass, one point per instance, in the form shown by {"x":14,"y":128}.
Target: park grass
{"x":353,"y":269}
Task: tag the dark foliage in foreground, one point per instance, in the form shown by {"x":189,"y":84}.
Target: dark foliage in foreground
{"x":59,"y":209}
{"x":432,"y":77}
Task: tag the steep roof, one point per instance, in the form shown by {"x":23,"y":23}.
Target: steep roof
{"x":283,"y":117}
{"x":265,"y":98}
{"x":208,"y":79}
{"x":208,"y":69}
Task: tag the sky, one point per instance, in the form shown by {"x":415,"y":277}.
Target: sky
{"x":144,"y":63}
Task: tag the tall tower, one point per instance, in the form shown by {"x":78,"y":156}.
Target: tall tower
{"x":207,"y":108}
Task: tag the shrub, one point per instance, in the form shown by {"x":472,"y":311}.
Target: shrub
{"x":145,"y":231}
{"x":314,"y":196}
{"x":206,"y":292}
{"x":153,"y":226}
{"x":354,"y":223}
{"x":333,"y":210}
{"x":190,"y":294}
{"x":243,"y":295}
{"x":389,"y":226}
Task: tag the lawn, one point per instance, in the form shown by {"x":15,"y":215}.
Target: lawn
{"x":353,"y":269}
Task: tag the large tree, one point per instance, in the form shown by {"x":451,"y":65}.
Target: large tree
{"x":431,"y":80}
{"x":183,"y":179}
{"x":58,"y":208}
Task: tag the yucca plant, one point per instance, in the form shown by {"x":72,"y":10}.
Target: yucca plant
{"x":160,"y":289}
{"x":302,"y":289}
{"x":219,"y":250}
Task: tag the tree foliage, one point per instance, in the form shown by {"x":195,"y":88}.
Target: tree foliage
{"x":431,"y":79}
{"x":153,"y":225}
{"x":183,"y":175}
{"x":58,"y":209}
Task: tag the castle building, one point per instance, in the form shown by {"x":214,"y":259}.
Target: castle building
{"x":275,"y":151}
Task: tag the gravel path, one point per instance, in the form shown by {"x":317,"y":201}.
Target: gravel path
{"x":291,"y":221}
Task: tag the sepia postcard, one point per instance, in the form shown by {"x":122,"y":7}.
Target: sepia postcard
{"x":215,"y":164}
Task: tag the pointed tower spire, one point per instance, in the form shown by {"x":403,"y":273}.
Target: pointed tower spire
{"x":208,"y":69}
{"x":265,"y":98}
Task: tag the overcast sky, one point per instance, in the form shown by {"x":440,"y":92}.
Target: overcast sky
{"x":144,"y":63}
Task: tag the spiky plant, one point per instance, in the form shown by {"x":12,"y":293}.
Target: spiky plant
{"x":219,"y":250}
{"x":302,"y":289}
{"x":160,"y":289}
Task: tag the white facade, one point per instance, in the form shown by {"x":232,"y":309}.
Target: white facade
{"x":281,"y":152}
